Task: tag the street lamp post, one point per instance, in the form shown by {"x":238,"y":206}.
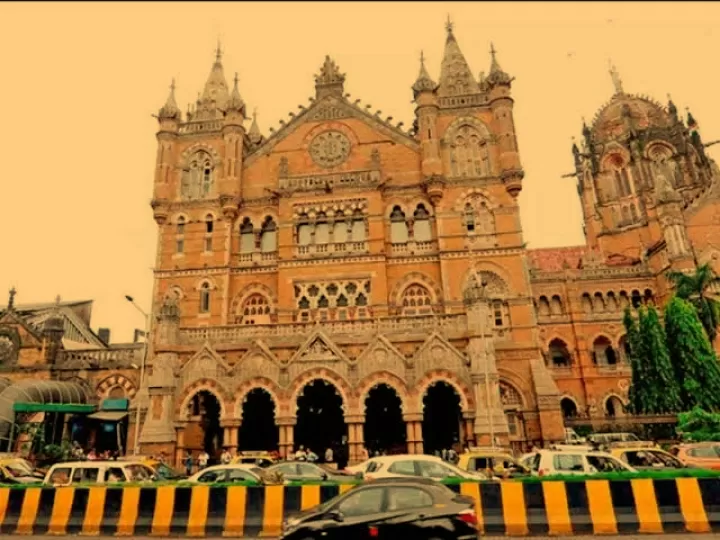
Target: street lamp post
{"x":488,"y":399}
{"x":136,"y":445}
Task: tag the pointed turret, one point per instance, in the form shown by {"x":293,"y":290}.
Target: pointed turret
{"x":672,"y":109}
{"x":215,"y":94}
{"x":691,"y":123}
{"x":424,"y":82}
{"x":170,"y":111}
{"x":456,"y":79}
{"x":236,"y":103}
{"x":254,"y":133}
{"x":615,"y":76}
{"x":329,"y":82}
{"x":497,"y":76}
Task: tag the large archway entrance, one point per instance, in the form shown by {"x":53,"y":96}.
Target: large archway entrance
{"x":384,"y":429}
{"x":320,"y":419}
{"x":442,"y":418}
{"x":258,"y":430}
{"x":203,"y":431}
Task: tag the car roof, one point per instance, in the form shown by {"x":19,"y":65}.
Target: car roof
{"x":399,"y":457}
{"x":97,"y":462}
{"x":405,"y":480}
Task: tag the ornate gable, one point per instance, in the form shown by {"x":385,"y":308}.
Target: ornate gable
{"x":381,"y":355}
{"x":437,"y":353}
{"x":258,"y":361}
{"x":205,"y":364}
{"x":319,"y":348}
{"x":13,"y":324}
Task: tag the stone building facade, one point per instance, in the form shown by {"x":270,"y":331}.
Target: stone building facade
{"x":346,"y":275}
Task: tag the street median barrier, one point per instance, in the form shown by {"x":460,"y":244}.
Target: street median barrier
{"x":504,"y":508}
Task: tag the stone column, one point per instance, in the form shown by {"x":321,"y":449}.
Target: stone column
{"x":230,"y":436}
{"x":413,"y":427}
{"x":355,"y":423}
{"x":490,"y":422}
{"x":179,"y":443}
{"x":286,"y":426}
{"x":468,"y":421}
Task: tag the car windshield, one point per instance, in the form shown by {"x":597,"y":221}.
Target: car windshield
{"x":19,"y":467}
{"x":712,"y":452}
{"x":138,"y":473}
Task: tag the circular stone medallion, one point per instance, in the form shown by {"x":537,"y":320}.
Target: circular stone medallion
{"x":329,"y":149}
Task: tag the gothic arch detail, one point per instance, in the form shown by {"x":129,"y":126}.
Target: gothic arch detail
{"x":105,"y":388}
{"x":255,"y":304}
{"x":210,"y":385}
{"x":386,"y":378}
{"x":323,"y":374}
{"x":261,"y":383}
{"x":441,"y":375}
{"x":496,"y":286}
{"x":414,"y":278}
{"x":471,"y":121}
{"x":468,"y":194}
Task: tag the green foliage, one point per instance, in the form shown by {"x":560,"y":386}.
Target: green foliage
{"x":699,"y":426}
{"x":654,"y":389}
{"x":696,"y":366}
{"x":695,"y":288}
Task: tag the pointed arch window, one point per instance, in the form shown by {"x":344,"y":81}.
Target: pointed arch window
{"x":198,"y":178}
{"x":268,"y":235}
{"x":255,"y":310}
{"x":416,"y":300}
{"x":322,"y":229}
{"x":180,"y":235}
{"x":421,"y":229}
{"x":358,"y":232}
{"x":209,"y":226}
{"x":469,"y":156}
{"x":247,"y":236}
{"x":205,"y":297}
{"x":399,"y":233}
{"x":304,"y":231}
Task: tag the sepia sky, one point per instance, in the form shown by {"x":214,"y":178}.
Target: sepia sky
{"x":81,"y":81}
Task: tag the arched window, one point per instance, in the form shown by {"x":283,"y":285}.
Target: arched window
{"x":543,"y":306}
{"x":469,"y":218}
{"x":587,"y":303}
{"x":268,"y":236}
{"x":559,"y":354}
{"x":478,"y":218}
{"x":556,"y":305}
{"x":636,"y":299}
{"x":469,"y":153}
{"x":398,"y":226}
{"x":255,"y":310}
{"x":421,"y":228}
{"x":205,"y":297}
{"x":569,"y":408}
{"x":624,"y":301}
{"x":340,"y":231}
{"x":512,"y":404}
{"x":603,"y":353}
{"x":416,"y":300}
{"x":358,"y":227}
{"x":208,"y":232}
{"x":612,"y":303}
{"x":624,"y":349}
{"x":304,"y":231}
{"x":247,"y":236}
{"x":598,"y":303}
{"x":180,"y":235}
{"x":197,"y":180}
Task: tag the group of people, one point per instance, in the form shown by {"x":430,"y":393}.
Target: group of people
{"x":338,"y":454}
{"x":78,"y":453}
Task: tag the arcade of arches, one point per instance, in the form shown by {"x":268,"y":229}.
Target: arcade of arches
{"x":321,"y":421}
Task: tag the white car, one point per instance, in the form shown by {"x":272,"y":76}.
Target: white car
{"x":414,"y":465}
{"x":225,"y":474}
{"x":580,"y":462}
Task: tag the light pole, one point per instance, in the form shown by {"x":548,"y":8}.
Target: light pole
{"x":488,"y":401}
{"x":136,"y":445}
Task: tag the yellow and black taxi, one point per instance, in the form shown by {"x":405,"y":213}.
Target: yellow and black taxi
{"x":261,"y":459}
{"x":493,"y":462}
{"x":644,"y":456}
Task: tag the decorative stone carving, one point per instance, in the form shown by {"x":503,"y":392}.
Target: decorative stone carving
{"x":437,"y":353}
{"x":163,"y":371}
{"x":329,"y":149}
{"x":7,"y":349}
{"x":380,"y":355}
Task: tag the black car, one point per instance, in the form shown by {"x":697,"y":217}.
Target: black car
{"x":389,"y":509}
{"x":303,"y":470}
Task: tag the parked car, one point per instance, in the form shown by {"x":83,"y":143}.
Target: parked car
{"x":227,"y":474}
{"x":408,"y":465}
{"x":303,"y":470}
{"x":415,"y":508}
{"x":498,"y":461}
{"x":98,"y":472}
{"x":261,"y":459}
{"x":704,"y":455}
{"x":16,"y":470}
{"x":645,"y":456}
{"x":550,"y":462}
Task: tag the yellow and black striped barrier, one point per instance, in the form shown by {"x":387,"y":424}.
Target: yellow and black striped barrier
{"x":550,"y":508}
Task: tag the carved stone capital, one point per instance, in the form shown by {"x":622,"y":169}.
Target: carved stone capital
{"x":160,"y":210}
{"x":512,"y":180}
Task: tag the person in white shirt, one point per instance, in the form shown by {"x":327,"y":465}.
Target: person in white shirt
{"x":328,"y":455}
{"x":300,"y":455}
{"x":203,"y":459}
{"x":225,"y":457}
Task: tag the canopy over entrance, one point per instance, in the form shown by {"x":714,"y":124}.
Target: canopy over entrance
{"x":31,"y":395}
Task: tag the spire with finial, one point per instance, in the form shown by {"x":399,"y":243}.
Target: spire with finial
{"x":11,"y":299}
{"x":497,"y":76}
{"x":170,"y":111}
{"x":254,"y":133}
{"x":215,"y":94}
{"x":691,"y":123}
{"x":615,"y":76}
{"x":456,"y":79}
{"x":424,"y":82}
{"x":236,"y":103}
{"x":329,"y":82}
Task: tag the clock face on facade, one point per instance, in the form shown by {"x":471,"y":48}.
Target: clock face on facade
{"x":329,"y":149}
{"x":7,"y":349}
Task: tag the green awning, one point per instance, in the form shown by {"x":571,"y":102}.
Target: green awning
{"x":72,"y":408}
{"x":108,"y":416}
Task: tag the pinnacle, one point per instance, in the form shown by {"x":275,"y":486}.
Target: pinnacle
{"x":456,"y":79}
{"x":170,"y":110}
